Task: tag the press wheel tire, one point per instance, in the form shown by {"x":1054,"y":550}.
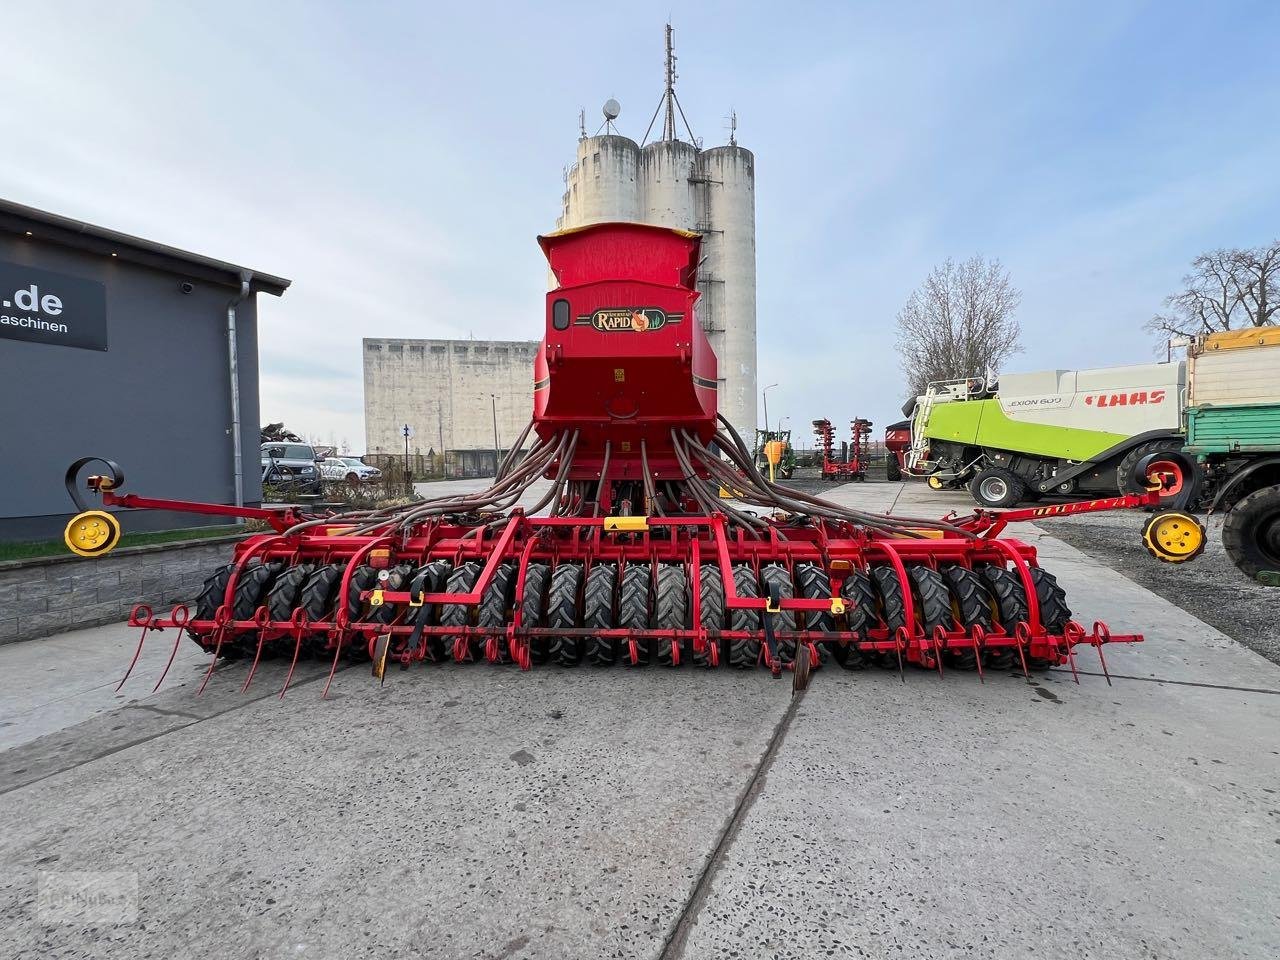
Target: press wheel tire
{"x":815,"y":584}
{"x":282,"y":598}
{"x":430,"y":578}
{"x":318,"y":596}
{"x":496,"y":607}
{"x":893,"y":609}
{"x":459,"y":615}
{"x":744,"y":654}
{"x":562,"y":612}
{"x":997,"y":487}
{"x":710,"y":607}
{"x":860,"y":616}
{"x":775,"y":574}
{"x":671,"y":610}
{"x":1010,"y":601}
{"x":1251,"y":532}
{"x":597,"y":613}
{"x":251,"y":586}
{"x":633,"y":610}
{"x":932,"y":601}
{"x":1126,"y":480}
{"x":532,"y":606}
{"x":210,"y":598}
{"x":971,"y":605}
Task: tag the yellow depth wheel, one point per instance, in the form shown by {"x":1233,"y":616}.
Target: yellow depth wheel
{"x":1174,"y":537}
{"x":935,"y":481}
{"x":92,"y":533}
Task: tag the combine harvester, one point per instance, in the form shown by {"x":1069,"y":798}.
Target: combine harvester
{"x":636,"y":560}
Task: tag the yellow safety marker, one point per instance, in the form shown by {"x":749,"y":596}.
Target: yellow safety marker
{"x":837,"y":606}
{"x":631,"y":524}
{"x":935,"y":482}
{"x":1173,"y":537}
{"x":92,"y":533}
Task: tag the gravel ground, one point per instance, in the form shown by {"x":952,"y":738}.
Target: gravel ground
{"x":1210,"y":587}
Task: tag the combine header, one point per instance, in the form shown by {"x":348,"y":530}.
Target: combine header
{"x":629,"y":556}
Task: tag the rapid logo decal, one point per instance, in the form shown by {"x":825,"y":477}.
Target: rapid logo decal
{"x":628,"y":320}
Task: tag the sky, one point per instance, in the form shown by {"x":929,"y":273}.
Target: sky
{"x":397,"y":160}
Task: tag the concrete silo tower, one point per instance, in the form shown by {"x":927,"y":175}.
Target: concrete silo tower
{"x":673,"y":182}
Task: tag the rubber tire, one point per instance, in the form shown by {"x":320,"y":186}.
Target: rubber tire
{"x":1009,"y":598}
{"x":671,"y":611}
{"x":251,"y":586}
{"x":1251,"y":532}
{"x":773,"y":573}
{"x":318,"y":597}
{"x":1054,"y":612}
{"x":744,"y":654}
{"x":282,"y":598}
{"x":430,"y":578}
{"x":860,"y":616}
{"x":893,"y":469}
{"x":932,"y":601}
{"x":209,"y":599}
{"x":1125,"y":468}
{"x":562,"y":611}
{"x":458,"y":615}
{"x":633,"y":610}
{"x":533,"y":607}
{"x":1015,"y":488}
{"x":971,"y":604}
{"x":710,"y":607}
{"x":893,"y":609}
{"x":815,"y":584}
{"x":597,"y":613}
{"x":496,"y":605}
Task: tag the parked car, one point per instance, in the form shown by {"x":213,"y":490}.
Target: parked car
{"x":292,"y":466}
{"x":350,"y":469}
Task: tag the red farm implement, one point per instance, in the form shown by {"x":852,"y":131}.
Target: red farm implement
{"x":629,"y":556}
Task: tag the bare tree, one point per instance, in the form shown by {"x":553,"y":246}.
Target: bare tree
{"x":1226,"y":290}
{"x":958,"y":323}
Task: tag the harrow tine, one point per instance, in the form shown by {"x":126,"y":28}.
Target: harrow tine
{"x":141,"y":615}
{"x":979,"y":648}
{"x":262,"y":617}
{"x":300,"y":622}
{"x":1022,"y":634}
{"x":939,"y":640}
{"x":221,"y":618}
{"x":337,"y":653}
{"x":899,"y":640}
{"x":1071,"y":632}
{"x":179,"y":616}
{"x":1101,"y":634}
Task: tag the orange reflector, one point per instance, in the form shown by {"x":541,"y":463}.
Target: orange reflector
{"x":931,"y":534}
{"x":379,"y":559}
{"x":842,"y":565}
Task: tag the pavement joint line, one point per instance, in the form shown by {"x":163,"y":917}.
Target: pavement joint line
{"x":1180,"y":683}
{"x":157,"y":735}
{"x":674,"y":948}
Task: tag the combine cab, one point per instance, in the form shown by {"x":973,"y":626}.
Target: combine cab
{"x":629,"y":557}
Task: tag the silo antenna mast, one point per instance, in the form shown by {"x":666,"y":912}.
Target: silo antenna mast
{"x":669,"y":105}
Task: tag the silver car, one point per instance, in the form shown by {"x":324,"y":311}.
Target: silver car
{"x":350,"y":469}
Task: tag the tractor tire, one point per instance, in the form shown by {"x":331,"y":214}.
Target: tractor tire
{"x":815,"y":584}
{"x":210,"y":599}
{"x":710,"y":607}
{"x":744,"y":654}
{"x":932,"y":602}
{"x":1010,"y":604}
{"x":893,"y":469}
{"x":893,"y":609}
{"x":251,"y":586}
{"x":496,"y":605}
{"x":318,"y":597}
{"x":671,"y":611}
{"x":633,"y":610}
{"x":773,"y":574}
{"x":430,"y":578}
{"x":971,"y":602}
{"x":533,"y":605}
{"x":997,"y":487}
{"x":562,"y":612}
{"x":860,"y":616}
{"x":459,"y":615}
{"x":597,"y":613}
{"x":1054,"y":612}
{"x":1127,"y":481}
{"x":364,"y":577}
{"x":1251,"y":533}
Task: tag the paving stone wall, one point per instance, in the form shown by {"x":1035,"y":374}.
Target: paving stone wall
{"x":47,"y":596}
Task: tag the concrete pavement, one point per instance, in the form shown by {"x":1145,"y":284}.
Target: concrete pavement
{"x":478,"y":812}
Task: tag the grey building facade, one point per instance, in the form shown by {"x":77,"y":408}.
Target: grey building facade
{"x":118,"y":347}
